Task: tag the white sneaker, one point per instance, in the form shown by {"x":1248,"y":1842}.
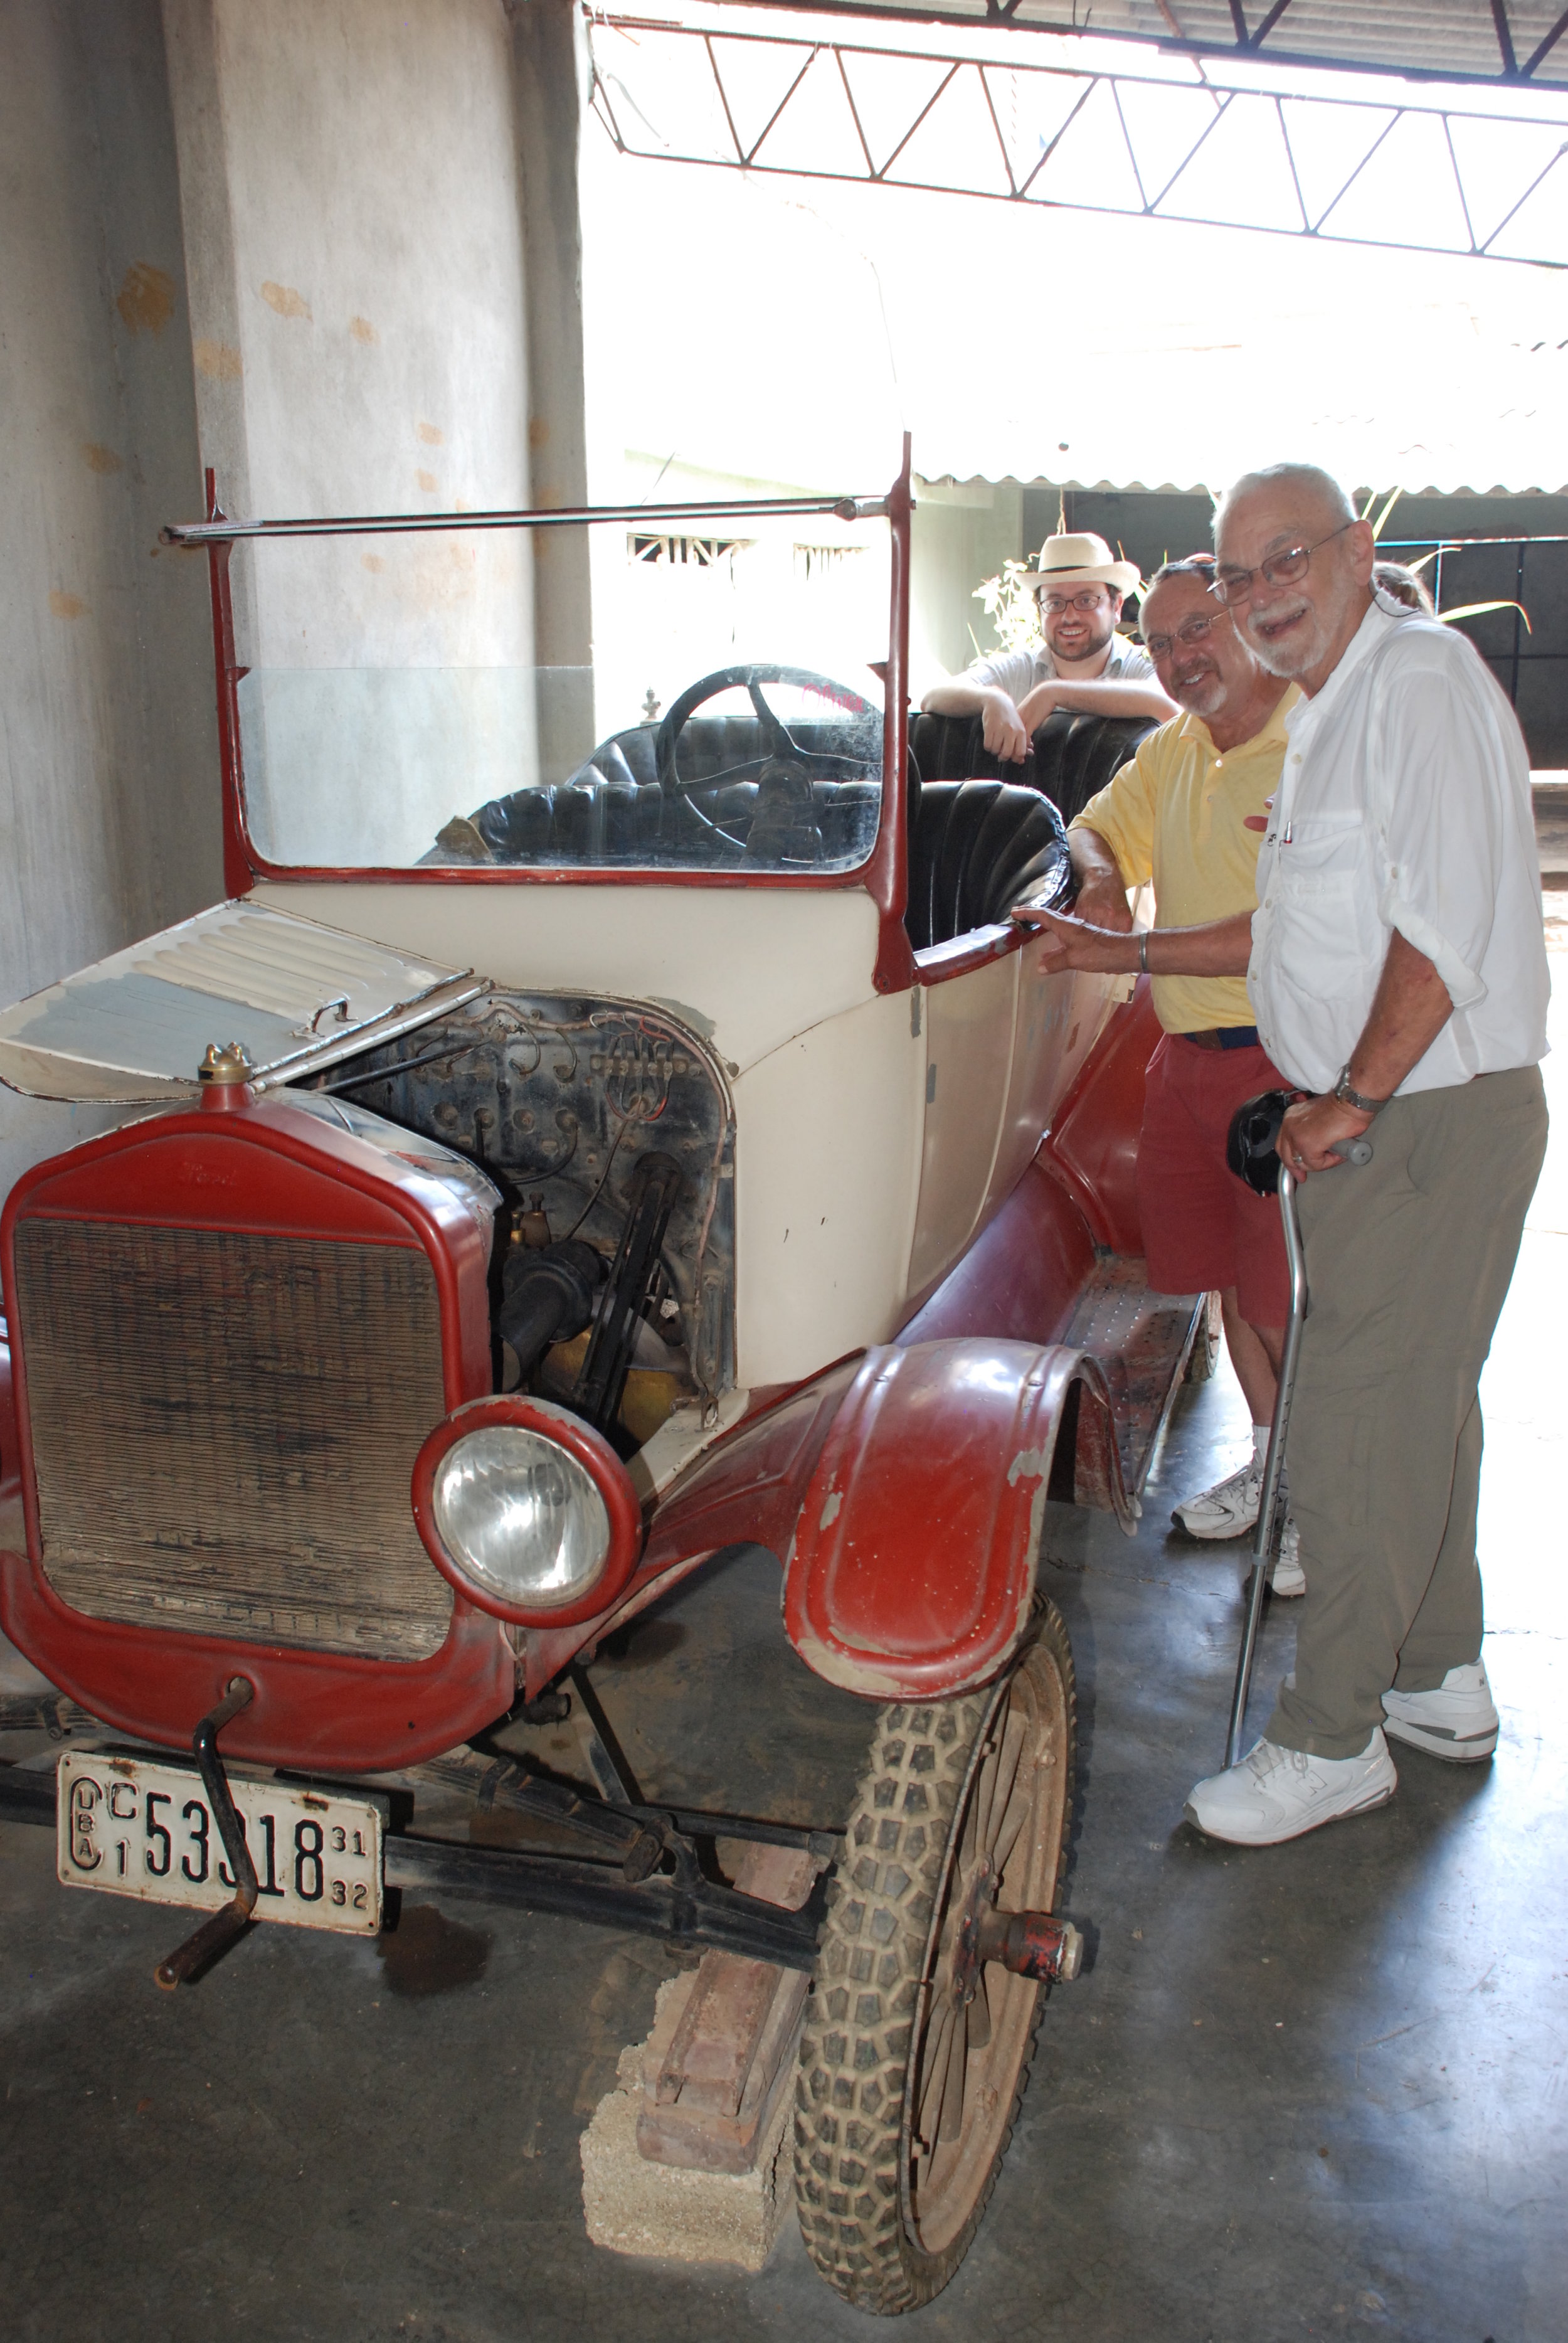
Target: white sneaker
{"x":1287,"y":1578}
{"x":1228,"y":1510}
{"x":1277,"y":1793}
{"x":1458,"y":1720}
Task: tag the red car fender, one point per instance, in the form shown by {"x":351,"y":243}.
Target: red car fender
{"x":1091,"y":1147}
{"x":913,"y":1563}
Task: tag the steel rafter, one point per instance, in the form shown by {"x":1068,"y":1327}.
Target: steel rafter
{"x":799,"y":107}
{"x":1462,"y":40}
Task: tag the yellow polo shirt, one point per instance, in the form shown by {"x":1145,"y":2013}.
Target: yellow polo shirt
{"x":1175,"y":814}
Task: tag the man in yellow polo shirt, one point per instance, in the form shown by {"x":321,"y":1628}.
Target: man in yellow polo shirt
{"x":1189,"y":812}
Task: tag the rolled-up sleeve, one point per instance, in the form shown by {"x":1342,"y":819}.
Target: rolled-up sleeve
{"x":1435,"y":787}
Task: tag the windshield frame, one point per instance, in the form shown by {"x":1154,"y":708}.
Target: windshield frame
{"x":883,"y":875}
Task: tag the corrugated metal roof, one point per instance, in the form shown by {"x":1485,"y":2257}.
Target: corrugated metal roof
{"x":1507,"y":41}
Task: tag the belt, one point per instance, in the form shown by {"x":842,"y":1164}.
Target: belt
{"x":1223,"y":1037}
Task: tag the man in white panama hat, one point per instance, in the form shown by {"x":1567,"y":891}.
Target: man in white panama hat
{"x":1084,"y":664}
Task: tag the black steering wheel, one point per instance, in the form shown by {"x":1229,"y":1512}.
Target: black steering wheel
{"x":790,"y":769}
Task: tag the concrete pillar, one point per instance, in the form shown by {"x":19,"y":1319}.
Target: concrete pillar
{"x":332,"y":249}
{"x":190,"y":35}
{"x":349,"y":179}
{"x":108,"y":758}
{"x":552,"y":74}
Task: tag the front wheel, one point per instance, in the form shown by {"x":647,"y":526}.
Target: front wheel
{"x":912,"y":2058}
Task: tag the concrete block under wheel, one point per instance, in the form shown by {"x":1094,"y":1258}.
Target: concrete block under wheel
{"x":634,"y":2205}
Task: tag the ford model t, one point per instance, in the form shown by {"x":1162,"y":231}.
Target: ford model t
{"x":589,"y":1138}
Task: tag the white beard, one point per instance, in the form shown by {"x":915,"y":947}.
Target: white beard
{"x":1205,"y":695}
{"x":1300,"y":654}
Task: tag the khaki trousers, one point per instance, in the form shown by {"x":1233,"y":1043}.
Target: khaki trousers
{"x":1408,"y":1260}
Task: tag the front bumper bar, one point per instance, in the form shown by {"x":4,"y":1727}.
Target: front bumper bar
{"x":686,"y":1908}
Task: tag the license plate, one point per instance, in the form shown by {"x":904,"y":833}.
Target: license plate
{"x":136,"y":1828}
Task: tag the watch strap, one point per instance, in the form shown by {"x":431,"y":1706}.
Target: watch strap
{"x":1348,"y":1097}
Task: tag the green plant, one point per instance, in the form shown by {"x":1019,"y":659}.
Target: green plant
{"x":1009,"y":604}
{"x":1464,"y":609}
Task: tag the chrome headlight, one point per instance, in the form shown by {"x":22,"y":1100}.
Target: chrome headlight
{"x":521,"y":1516}
{"x":527,"y":1510}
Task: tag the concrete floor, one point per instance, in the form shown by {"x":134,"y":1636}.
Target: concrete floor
{"x":1311,"y":2091}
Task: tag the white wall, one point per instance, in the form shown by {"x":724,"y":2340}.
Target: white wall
{"x":349,"y":180}
{"x":962,"y":533}
{"x":284,"y":238}
{"x":108,"y":761}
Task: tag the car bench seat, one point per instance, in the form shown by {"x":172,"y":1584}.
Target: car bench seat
{"x":980,"y":838}
{"x":976,"y":848}
{"x":615,"y":807}
{"x":1070,"y":758}
{"x":984,"y":834}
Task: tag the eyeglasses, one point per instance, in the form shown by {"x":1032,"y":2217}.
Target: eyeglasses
{"x":1057,"y":603}
{"x":1233,"y":585}
{"x":1196,"y":631}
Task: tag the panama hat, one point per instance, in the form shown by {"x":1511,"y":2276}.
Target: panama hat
{"x":1084,"y":560}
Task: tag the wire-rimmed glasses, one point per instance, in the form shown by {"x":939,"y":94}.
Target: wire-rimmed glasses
{"x":1193,"y":632}
{"x":1233,"y":585}
{"x":1093,"y":598}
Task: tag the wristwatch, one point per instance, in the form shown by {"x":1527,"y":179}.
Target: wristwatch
{"x":1347,"y":1097}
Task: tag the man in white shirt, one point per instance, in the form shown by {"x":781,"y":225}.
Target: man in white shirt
{"x":1083,"y":665}
{"x":1398,"y":972}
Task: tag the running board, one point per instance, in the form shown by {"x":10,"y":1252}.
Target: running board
{"x":1141,"y":1341}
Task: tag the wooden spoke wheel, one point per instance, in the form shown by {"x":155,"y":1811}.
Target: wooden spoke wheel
{"x":914,"y":2052}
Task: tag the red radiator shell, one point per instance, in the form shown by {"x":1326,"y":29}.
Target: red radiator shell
{"x":262,"y":1166}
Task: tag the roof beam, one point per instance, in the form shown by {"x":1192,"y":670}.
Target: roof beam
{"x":1543,"y":48}
{"x":1061,"y":94}
{"x":1172,"y":38}
{"x":1268,"y":23}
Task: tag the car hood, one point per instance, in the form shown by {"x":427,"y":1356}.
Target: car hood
{"x":299,"y":995}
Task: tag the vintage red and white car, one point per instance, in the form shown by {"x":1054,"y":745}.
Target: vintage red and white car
{"x":582,"y":1143}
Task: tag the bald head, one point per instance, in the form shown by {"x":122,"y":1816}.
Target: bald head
{"x":1306,"y":487}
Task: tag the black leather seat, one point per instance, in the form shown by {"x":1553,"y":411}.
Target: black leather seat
{"x":1070,"y":758}
{"x":980,"y":836}
{"x":975,"y":848}
{"x":614,"y":809}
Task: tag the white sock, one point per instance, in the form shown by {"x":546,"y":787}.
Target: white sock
{"x":1260,"y":1444}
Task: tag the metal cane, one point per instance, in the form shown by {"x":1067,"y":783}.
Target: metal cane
{"x":1252,"y":1154}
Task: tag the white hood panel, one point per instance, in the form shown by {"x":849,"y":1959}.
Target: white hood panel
{"x":299,"y":997}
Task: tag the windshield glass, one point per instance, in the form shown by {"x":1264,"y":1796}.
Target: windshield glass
{"x":392,"y":714}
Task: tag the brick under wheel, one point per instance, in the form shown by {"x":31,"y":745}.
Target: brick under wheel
{"x":907,"y":2093}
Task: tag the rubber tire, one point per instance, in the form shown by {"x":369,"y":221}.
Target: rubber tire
{"x":849,"y":2140}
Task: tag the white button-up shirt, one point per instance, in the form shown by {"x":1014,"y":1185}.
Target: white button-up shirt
{"x":1403,"y":803}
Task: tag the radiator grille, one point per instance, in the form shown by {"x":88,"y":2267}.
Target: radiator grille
{"x":224,"y":1428}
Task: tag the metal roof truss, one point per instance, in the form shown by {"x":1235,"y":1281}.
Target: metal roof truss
{"x":1198,"y":142}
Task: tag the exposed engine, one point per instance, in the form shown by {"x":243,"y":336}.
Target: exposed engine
{"x":606,"y":1127}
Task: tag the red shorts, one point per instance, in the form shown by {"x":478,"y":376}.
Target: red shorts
{"x":1202,"y":1227}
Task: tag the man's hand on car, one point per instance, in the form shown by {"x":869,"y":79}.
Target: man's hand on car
{"x":1074,"y":943}
{"x":1002,"y":728}
{"x":1103,"y":903}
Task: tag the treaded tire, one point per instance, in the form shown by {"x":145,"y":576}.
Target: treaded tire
{"x":876,"y":2002}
